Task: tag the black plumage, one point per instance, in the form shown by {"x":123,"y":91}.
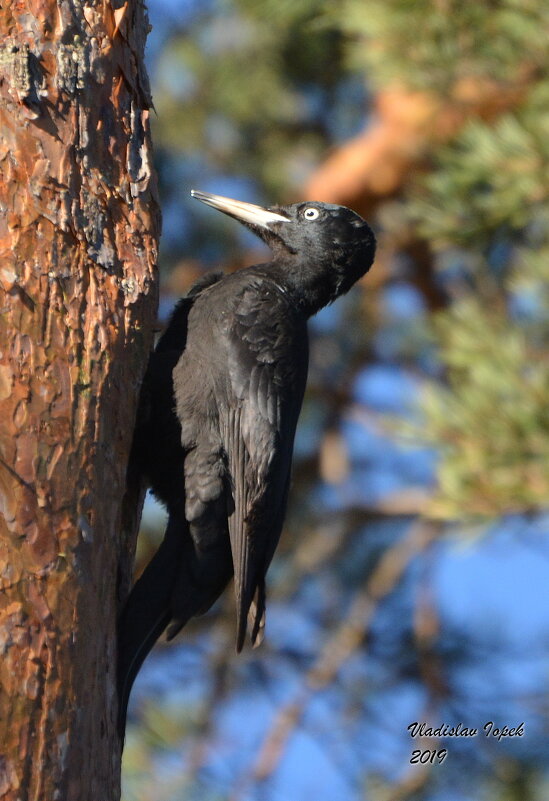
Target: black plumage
{"x":217,"y":419}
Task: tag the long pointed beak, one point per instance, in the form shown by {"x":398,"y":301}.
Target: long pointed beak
{"x":245,"y":212}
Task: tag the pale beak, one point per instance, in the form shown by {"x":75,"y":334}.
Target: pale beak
{"x":245,"y":212}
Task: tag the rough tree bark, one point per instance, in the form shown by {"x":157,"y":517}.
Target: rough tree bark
{"x":79,"y":226}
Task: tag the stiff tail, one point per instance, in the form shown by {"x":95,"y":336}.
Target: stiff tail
{"x":146,"y":615}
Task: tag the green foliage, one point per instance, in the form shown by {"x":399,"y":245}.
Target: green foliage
{"x":530,"y":278}
{"x":492,"y":180}
{"x":491,"y":421}
{"x":484,"y":205}
{"x":430,"y":44}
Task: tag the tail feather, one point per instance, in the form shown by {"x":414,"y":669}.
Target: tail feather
{"x":243,"y":547}
{"x":146,"y":615}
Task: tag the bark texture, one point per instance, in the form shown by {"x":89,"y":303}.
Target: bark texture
{"x":78,"y":236}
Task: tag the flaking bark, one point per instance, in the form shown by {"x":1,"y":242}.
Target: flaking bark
{"x":79,"y":226}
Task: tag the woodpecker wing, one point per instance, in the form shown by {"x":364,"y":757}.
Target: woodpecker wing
{"x":267,"y":370}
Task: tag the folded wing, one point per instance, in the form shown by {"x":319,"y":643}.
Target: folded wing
{"x":267,"y":355}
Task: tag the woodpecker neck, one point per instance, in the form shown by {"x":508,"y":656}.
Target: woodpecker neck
{"x":315,"y":282}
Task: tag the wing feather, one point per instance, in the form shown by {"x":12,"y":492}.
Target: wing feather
{"x":267,"y":371}
{"x":237,"y":523}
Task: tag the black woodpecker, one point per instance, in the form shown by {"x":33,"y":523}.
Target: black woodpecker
{"x":217,"y":418}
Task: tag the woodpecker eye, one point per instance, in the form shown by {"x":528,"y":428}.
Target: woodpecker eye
{"x":311,"y":214}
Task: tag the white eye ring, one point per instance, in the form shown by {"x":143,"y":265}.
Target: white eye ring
{"x":311,"y":213}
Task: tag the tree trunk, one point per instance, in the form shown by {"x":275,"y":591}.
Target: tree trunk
{"x":79,"y":226}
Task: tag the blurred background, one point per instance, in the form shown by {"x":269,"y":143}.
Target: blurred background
{"x":412,"y":580}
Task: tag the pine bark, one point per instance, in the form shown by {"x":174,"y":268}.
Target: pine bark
{"x":79,"y":227}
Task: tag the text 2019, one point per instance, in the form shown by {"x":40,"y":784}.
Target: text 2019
{"x":428,"y":757}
